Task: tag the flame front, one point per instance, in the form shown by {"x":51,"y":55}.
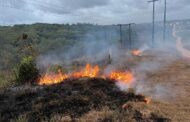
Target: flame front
{"x":88,"y":71}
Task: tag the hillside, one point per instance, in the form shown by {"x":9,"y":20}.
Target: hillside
{"x":117,"y":84}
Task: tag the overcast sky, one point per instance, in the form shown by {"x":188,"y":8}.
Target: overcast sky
{"x":88,"y":11}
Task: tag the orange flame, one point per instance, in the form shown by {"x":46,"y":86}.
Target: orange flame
{"x":136,"y":52}
{"x":126,"y":77}
{"x":88,"y":71}
{"x":49,"y":79}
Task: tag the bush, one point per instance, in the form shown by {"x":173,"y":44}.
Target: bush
{"x":27,"y":71}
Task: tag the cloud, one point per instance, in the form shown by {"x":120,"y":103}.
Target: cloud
{"x":91,"y":11}
{"x":67,"y":6}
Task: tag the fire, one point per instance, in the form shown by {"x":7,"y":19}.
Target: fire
{"x":136,"y":52}
{"x":126,"y":77}
{"x":147,"y":100}
{"x":88,"y":71}
{"x":49,"y":79}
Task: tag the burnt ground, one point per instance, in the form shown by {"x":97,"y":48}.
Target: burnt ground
{"x":74,"y":98}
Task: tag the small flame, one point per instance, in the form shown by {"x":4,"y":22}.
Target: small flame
{"x":147,"y":100}
{"x":126,"y":77}
{"x":88,"y":71}
{"x":136,"y":52}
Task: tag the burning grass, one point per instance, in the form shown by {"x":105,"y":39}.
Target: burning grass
{"x":90,"y":72}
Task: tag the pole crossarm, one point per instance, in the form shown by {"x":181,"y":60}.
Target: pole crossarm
{"x":152,"y":1}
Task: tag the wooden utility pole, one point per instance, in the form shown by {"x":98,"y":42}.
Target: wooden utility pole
{"x":153,"y":17}
{"x":164,"y":32}
{"x":130,"y":32}
{"x":121,"y":34}
{"x":105,"y":32}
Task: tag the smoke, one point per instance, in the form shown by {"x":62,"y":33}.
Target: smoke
{"x":123,"y":86}
{"x":166,"y":56}
{"x":184,"y":52}
{"x":98,"y":47}
{"x":94,"y":47}
{"x":157,"y":91}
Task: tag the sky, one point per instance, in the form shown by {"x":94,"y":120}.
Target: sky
{"x":89,"y":11}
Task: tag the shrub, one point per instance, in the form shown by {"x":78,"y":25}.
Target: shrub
{"x":27,"y":71}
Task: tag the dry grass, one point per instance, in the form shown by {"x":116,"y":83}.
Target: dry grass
{"x":178,"y":78}
{"x":176,"y":112}
{"x":175,"y":77}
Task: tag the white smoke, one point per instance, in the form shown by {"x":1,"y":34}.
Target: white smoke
{"x":184,"y":52}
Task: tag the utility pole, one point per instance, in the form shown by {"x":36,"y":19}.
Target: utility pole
{"x":105,"y":32}
{"x":153,"y":17}
{"x":121,"y":34}
{"x":164,"y":33}
{"x":130,"y":31}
